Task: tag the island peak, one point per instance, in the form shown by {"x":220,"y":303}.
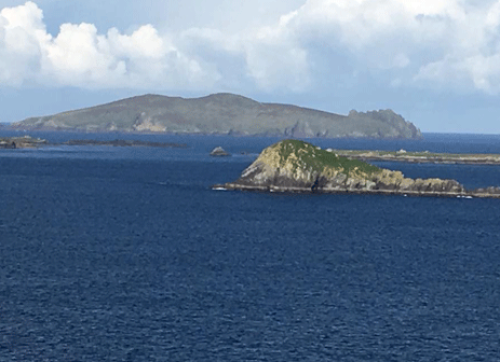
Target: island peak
{"x":298,"y":166}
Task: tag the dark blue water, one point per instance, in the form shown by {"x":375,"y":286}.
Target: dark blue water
{"x":125,"y":254}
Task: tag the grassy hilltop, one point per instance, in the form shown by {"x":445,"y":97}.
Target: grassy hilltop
{"x":295,"y":156}
{"x":298,"y":166}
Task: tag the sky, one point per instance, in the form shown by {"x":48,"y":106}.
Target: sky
{"x":435,"y":62}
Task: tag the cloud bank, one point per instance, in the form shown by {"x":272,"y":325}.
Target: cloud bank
{"x":79,"y":56}
{"x":448,"y":44}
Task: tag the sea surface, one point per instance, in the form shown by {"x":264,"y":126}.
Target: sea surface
{"x":126,"y":254}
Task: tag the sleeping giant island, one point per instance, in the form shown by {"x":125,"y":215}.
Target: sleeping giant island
{"x":223,"y":114}
{"x":296,"y":166}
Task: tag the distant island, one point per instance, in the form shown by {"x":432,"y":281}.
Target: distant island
{"x":298,"y":166}
{"x":223,"y":114}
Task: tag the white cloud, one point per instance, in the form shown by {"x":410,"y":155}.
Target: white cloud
{"x":80,"y":56}
{"x":424,"y":43}
{"x":478,"y":72}
{"x":276,"y":60}
{"x":421,"y":42}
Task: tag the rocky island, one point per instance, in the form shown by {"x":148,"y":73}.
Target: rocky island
{"x":219,"y":152}
{"x":297,"y":166}
{"x":223,"y":114}
{"x":21,"y":142}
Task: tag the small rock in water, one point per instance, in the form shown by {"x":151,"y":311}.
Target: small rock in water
{"x":219,"y":151}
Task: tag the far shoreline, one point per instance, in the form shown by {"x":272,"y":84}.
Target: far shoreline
{"x":10,"y":128}
{"x":26,"y":130}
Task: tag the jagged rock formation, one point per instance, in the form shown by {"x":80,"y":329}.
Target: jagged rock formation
{"x":219,"y":151}
{"x":297,"y":166}
{"x":224,"y":114}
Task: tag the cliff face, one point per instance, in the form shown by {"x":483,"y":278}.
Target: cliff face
{"x":298,"y":166}
{"x":224,"y":114}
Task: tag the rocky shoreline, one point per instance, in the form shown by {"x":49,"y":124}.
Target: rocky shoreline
{"x":293,"y":166}
{"x":231,"y":186}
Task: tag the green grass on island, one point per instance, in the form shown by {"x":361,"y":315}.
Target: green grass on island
{"x":317,"y":159}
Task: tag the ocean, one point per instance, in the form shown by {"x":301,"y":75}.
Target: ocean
{"x":126,"y":254}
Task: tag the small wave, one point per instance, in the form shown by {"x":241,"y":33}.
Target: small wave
{"x":220,"y":189}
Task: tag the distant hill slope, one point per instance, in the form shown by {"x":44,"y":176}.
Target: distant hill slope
{"x":224,"y":114}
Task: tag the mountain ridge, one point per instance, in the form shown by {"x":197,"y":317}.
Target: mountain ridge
{"x":224,"y":113}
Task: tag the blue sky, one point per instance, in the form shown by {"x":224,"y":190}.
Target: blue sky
{"x":436,"y":62}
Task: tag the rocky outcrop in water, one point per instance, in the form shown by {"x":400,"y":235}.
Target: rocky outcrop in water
{"x":21,"y":142}
{"x":297,"y":166}
{"x":219,"y":152}
{"x":224,"y":114}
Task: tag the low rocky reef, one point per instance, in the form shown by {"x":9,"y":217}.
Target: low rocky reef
{"x":21,"y":142}
{"x":30,"y":142}
{"x":421,"y":157}
{"x":122,"y":143}
{"x":297,"y":166}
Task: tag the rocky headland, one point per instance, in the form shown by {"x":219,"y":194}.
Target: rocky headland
{"x":223,"y":114}
{"x":297,"y":166}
